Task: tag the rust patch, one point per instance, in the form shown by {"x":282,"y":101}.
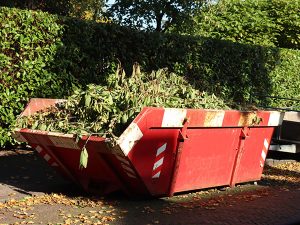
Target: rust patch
{"x":249,"y":119}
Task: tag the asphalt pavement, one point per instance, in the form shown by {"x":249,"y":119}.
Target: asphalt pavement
{"x":32,"y":193}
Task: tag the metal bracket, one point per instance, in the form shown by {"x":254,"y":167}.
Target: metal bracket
{"x":245,"y":133}
{"x":182,"y":137}
{"x":182,"y":132}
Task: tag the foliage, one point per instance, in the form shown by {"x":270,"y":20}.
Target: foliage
{"x":286,"y":15}
{"x":285,"y":79}
{"x":238,"y":21}
{"x":87,"y":9}
{"x":261,"y":22}
{"x":60,"y":7}
{"x":28,"y":44}
{"x":108,"y":109}
{"x":42,"y":55}
{"x":84,"y":9}
{"x":154,"y":15}
{"x":229,"y":70}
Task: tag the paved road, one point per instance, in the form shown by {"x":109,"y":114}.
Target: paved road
{"x":24,"y":174}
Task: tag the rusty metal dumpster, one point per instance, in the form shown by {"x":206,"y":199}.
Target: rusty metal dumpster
{"x":163,"y":151}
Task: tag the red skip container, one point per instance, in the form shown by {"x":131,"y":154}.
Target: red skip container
{"x":163,"y":151}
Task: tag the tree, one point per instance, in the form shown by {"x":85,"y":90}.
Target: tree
{"x":83,"y":9}
{"x":87,"y":9}
{"x":286,"y":15}
{"x":242,"y":21}
{"x":158,"y":15}
{"x":61,"y":7}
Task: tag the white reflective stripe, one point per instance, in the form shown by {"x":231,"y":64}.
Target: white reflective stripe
{"x":161,"y":149}
{"x":275,"y":118}
{"x":129,"y":138}
{"x":266,"y":144}
{"x":38,"y":149}
{"x":63,"y":142}
{"x":263,"y":155}
{"x":158,"y":163}
{"x":173,"y":117}
{"x":214,"y":119}
{"x":47,"y":157}
{"x":122,"y":159}
{"x":54,"y":164}
{"x":156,"y":175}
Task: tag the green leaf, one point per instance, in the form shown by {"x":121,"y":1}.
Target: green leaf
{"x":83,"y":158}
{"x":43,"y":127}
{"x":124,"y":118}
{"x":88,"y":99}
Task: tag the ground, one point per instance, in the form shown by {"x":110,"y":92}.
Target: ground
{"x":31,"y":193}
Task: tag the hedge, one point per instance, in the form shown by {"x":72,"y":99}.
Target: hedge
{"x":29,"y":42}
{"x":263,"y":22}
{"x":42,"y":55}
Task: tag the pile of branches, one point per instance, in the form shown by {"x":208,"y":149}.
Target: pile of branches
{"x":106,"y":110}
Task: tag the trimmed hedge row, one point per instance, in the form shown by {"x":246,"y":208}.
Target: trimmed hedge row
{"x":230,"y":70}
{"x":29,"y":42}
{"x":262,"y":22}
{"x":42,"y":55}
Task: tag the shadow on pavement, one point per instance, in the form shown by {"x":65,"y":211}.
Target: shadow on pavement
{"x":24,"y":172}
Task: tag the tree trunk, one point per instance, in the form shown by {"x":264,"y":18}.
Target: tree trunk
{"x":29,"y":4}
{"x":158,"y":19}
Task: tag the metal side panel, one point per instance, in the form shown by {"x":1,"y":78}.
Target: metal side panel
{"x":292,"y":148}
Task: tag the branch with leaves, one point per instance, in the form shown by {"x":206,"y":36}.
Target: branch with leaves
{"x":154,"y":15}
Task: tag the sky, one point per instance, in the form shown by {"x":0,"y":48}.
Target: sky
{"x":110,"y":1}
